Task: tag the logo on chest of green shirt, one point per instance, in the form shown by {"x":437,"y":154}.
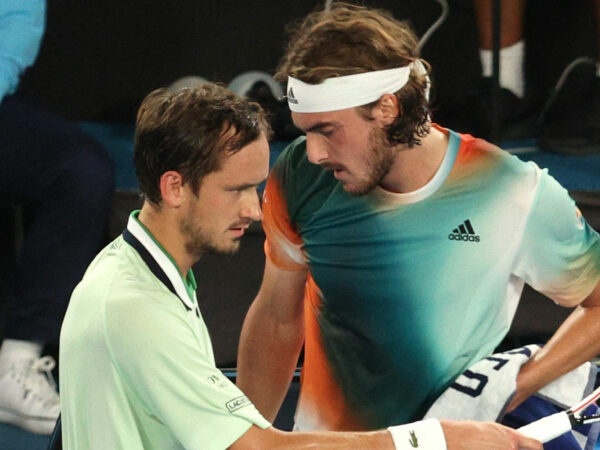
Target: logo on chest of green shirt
{"x":464,"y":232}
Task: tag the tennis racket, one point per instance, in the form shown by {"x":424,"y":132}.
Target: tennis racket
{"x":552,"y":426}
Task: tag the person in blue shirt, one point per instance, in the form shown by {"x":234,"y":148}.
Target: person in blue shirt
{"x":62,"y":179}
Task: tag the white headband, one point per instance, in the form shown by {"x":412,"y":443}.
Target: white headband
{"x":348,"y":91}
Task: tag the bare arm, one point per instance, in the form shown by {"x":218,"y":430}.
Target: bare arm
{"x":511,"y":22}
{"x":576,"y":341}
{"x":271,"y":339}
{"x":273,"y":439}
{"x":458,"y":435}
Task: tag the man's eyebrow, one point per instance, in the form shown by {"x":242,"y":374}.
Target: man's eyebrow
{"x":318,"y":127}
{"x":243,"y":186}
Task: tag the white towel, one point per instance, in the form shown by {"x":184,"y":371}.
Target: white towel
{"x":484,"y":390}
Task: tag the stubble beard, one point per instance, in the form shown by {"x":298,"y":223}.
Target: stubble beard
{"x":198,"y":242}
{"x":379,"y":162}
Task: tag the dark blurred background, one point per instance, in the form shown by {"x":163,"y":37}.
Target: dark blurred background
{"x":100,"y":57}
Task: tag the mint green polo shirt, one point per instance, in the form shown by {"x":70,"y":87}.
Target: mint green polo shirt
{"x":137,"y":370}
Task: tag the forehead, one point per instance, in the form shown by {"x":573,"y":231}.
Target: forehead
{"x":311,"y":121}
{"x":249,"y":165}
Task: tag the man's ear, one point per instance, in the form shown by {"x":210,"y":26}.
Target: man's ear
{"x":386,"y":110}
{"x":171,"y":188}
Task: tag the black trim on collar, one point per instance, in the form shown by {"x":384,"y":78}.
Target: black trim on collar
{"x":152,"y":264}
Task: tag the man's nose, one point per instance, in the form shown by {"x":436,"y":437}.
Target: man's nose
{"x":315,"y":150}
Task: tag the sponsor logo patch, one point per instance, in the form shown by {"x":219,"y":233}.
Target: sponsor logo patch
{"x":237,"y":403}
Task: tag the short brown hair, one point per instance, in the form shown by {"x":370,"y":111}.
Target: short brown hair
{"x":349,"y":39}
{"x":191,"y":131}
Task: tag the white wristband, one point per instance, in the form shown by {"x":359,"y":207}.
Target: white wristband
{"x":548,"y":428}
{"x":424,"y":435}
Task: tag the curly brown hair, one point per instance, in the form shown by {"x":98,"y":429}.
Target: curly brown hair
{"x":349,"y":39}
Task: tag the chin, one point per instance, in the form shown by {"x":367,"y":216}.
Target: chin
{"x":357,"y":190}
{"x":215,"y":248}
{"x":229,"y":248}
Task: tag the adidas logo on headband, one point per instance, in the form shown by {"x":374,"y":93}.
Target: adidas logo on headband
{"x":290,"y":96}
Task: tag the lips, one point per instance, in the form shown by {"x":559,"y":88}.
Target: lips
{"x":239,"y":230}
{"x":337,"y":173}
{"x":336,"y":169}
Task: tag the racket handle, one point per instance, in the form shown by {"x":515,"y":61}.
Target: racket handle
{"x":548,"y":428}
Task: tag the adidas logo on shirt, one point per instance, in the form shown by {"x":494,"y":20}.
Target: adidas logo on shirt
{"x":464,"y":232}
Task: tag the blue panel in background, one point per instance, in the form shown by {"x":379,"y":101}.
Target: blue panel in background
{"x":574,"y":172}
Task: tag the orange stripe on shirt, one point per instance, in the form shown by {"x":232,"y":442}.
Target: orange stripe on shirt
{"x":283,"y":244}
{"x":322,"y":404}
